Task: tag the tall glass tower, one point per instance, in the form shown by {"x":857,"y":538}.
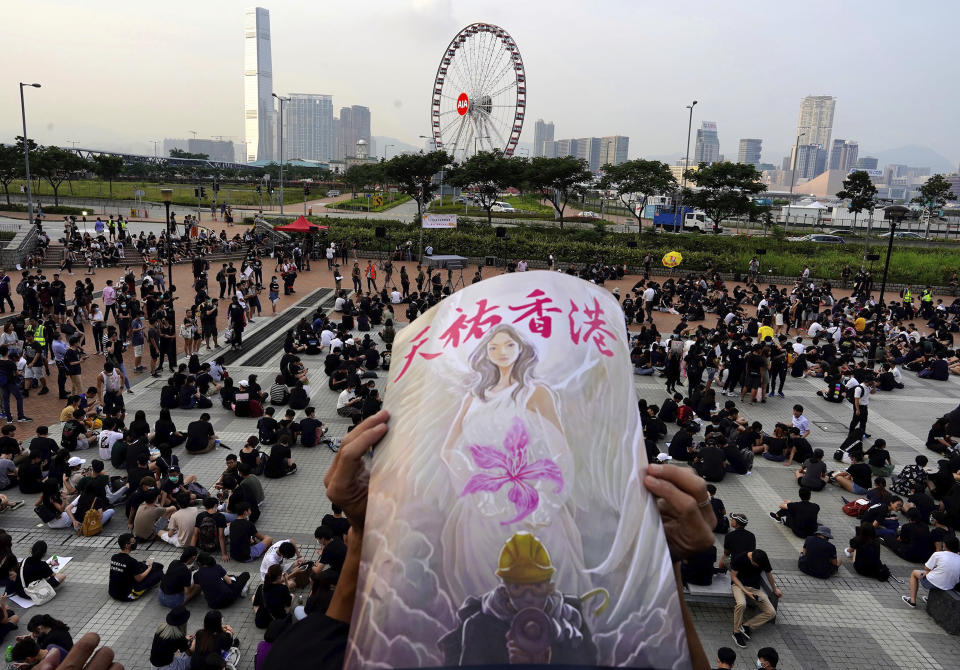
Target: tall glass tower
{"x":259,"y":126}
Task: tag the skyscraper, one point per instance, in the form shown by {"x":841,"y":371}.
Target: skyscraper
{"x":259,"y":127}
{"x":588,"y":148}
{"x":613,"y":149}
{"x":815,"y":123}
{"x":708,"y":144}
{"x":750,"y":151}
{"x":542,"y":133}
{"x":811,"y":161}
{"x":843,"y":155}
{"x":308,"y":128}
{"x":353,"y":125}
{"x":563,"y":148}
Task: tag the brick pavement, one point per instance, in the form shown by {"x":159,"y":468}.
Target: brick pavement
{"x":833,"y":624}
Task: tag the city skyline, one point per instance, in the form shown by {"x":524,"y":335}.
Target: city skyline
{"x":191,"y":88}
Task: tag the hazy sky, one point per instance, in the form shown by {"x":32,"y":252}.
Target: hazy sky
{"x":121,"y":74}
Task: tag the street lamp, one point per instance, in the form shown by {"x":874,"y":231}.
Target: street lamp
{"x":26,"y":152}
{"x":387,"y":147}
{"x":282,"y":100}
{"x":793,"y":178}
{"x":686,"y":166}
{"x":430,"y":137}
{"x":166,"y":196}
{"x":155,"y":143}
{"x":894,"y":214}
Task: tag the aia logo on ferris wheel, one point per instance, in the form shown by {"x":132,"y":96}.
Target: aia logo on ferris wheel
{"x":463,"y":104}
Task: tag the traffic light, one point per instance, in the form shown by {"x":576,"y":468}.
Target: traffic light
{"x":306,"y":190}
{"x":216,"y":187}
{"x":196,"y":192}
{"x":203,"y":192}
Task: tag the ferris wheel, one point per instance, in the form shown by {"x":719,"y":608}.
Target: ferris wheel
{"x":480,"y":93}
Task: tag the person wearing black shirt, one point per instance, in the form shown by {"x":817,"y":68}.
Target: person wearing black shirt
{"x":130,"y":578}
{"x":246,"y":544}
{"x":738,"y":540}
{"x":310,"y":428}
{"x":865,"y":551}
{"x":698,"y":568}
{"x":280,"y":463}
{"x":878,"y":458}
{"x":710,"y":463}
{"x":170,"y":638}
{"x":746,"y":571}
{"x":333,"y":550}
{"x":34,"y":568}
{"x":883,"y":516}
{"x":913,"y":541}
{"x":858,"y":477}
{"x":668,"y":410}
{"x":681,"y":446}
{"x":30,"y":475}
{"x":48,"y":631}
{"x":9,"y":384}
{"x":176,"y":587}
{"x":273,"y":598}
{"x":336,"y":521}
{"x":800,"y":517}
{"x":818,"y":558}
{"x":201,"y":437}
{"x":43,"y":445}
{"x":219,"y":589}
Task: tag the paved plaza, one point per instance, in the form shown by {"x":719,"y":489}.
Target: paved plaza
{"x":845,"y":622}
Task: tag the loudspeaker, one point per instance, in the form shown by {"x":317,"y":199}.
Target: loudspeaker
{"x":632,"y":244}
{"x":501,"y":231}
{"x":380,"y":231}
{"x":759,"y":252}
{"x":873,"y":257}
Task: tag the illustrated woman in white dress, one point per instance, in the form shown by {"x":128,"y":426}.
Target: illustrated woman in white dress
{"x":511,"y":468}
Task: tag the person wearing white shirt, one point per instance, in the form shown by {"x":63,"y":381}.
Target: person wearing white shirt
{"x":105,"y":442}
{"x":798,"y":347}
{"x":648,"y":295}
{"x":522,"y":266}
{"x":395,"y":297}
{"x":335,"y":343}
{"x":815,"y":329}
{"x":326,"y":336}
{"x":942,"y":571}
{"x":339,"y":303}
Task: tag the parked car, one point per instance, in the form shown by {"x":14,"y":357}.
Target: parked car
{"x":500,"y":206}
{"x":333,"y":193}
{"x":841,"y":232}
{"x":818,"y":237}
{"x":589,"y":215}
{"x":905,"y":235}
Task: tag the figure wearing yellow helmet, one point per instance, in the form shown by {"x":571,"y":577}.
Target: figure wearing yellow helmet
{"x":524,"y":619}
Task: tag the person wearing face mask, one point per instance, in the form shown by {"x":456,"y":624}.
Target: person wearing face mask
{"x":130,"y":578}
{"x":767,"y":658}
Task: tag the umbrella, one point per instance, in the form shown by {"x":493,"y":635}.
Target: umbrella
{"x":672,"y":259}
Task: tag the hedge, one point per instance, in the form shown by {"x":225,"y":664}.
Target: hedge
{"x":916,"y":265}
{"x":59,"y":209}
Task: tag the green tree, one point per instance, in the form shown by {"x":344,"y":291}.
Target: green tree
{"x":934,"y":194}
{"x":180,"y":153}
{"x":364,"y":174}
{"x":860,"y":191}
{"x":107,"y":167}
{"x":635,"y":181}
{"x":414,"y":174}
{"x":57,"y":165}
{"x":486,"y":174}
{"x":724,"y":189}
{"x":11,"y":166}
{"x":559,"y":179}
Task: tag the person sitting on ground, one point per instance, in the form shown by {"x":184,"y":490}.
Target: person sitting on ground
{"x":279,"y":394}
{"x":719,"y":511}
{"x":333,"y":550}
{"x":941,"y":571}
{"x":201,"y":438}
{"x":219,"y":589}
{"x":251,"y":456}
{"x":209,"y":529}
{"x":272,"y":600}
{"x":682,"y":447}
{"x":884,"y":516}
{"x":857,"y":477}
{"x":148,"y":516}
{"x":267,"y":427}
{"x":280,"y":463}
{"x":130,"y":578}
{"x":289,"y":426}
{"x":910,"y":476}
{"x":941,"y":530}
{"x":939,"y":438}
{"x":710,"y":462}
{"x":878,"y":458}
{"x":35,"y":567}
{"x":299,"y":396}
{"x":171,"y":644}
{"x":180,"y":528}
{"x":47,"y":630}
{"x":27,"y":652}
{"x":813,"y":474}
{"x":246,"y":542}
{"x":773,"y":447}
{"x":312,"y":430}
{"x":286,"y":554}
{"x":818,"y":557}
{"x":211,"y":642}
{"x":864,"y":549}
{"x":698,"y":569}
{"x":340,"y":524}
{"x":228,"y":394}
{"x":86,"y":501}
{"x":913,"y":541}
{"x":176,"y":587}
{"x":879,"y":492}
{"x":349,"y":405}
{"x":800,"y":516}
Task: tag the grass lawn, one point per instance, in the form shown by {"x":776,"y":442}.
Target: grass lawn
{"x":360,"y":203}
{"x":530,"y":203}
{"x":182,"y":193}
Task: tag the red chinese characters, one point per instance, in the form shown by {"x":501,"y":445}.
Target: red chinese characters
{"x":418,"y":341}
{"x":588,"y":325}
{"x":475,"y":326}
{"x":541,"y":322}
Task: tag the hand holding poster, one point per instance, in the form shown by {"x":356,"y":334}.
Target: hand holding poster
{"x":506,"y":520}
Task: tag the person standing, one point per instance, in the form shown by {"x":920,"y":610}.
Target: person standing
{"x":109,"y":295}
{"x":237,"y":315}
{"x":860,"y":393}
{"x":222,"y":280}
{"x":355,"y":277}
{"x":71,"y":363}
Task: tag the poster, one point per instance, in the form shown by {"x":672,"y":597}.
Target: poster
{"x":440,"y":221}
{"x":507,"y":521}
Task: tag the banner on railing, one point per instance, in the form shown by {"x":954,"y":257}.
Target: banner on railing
{"x":440,"y":221}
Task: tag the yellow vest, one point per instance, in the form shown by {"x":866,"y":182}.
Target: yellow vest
{"x":38,"y":335}
{"x":927,"y":296}
{"x":907,"y":297}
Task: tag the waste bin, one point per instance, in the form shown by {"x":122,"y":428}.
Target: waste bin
{"x":490,"y":261}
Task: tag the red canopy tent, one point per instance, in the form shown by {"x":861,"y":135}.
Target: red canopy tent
{"x":301,"y":225}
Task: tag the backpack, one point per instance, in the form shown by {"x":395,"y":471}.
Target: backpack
{"x":856,"y":508}
{"x":68,"y":437}
{"x":21,"y":286}
{"x":207,"y":535}
{"x":684,"y":414}
{"x":852,"y":390}
{"x":92,"y":523}
{"x":118,"y":454}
